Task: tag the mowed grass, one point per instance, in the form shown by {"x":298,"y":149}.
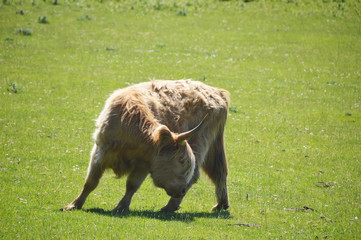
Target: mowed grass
{"x":293,"y":134}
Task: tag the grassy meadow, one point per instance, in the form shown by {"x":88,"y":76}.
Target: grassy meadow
{"x":293,"y":136}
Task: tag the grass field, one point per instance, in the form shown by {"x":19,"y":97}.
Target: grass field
{"x":293,"y":135}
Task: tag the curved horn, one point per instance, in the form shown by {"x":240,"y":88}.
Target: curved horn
{"x":180,"y":138}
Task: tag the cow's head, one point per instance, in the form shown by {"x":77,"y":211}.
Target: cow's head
{"x":174,"y":161}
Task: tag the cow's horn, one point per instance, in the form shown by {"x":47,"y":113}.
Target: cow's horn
{"x":187,"y":135}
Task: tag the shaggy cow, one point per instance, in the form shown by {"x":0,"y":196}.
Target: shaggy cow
{"x":145,"y":129}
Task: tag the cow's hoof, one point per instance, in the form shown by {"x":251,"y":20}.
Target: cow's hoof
{"x":220,"y":207}
{"x":69,"y":207}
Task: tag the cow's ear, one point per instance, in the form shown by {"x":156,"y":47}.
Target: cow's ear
{"x":163,"y":137}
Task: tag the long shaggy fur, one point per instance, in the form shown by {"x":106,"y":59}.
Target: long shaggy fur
{"x":137,"y":131}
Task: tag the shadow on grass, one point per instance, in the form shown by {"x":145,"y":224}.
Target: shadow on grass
{"x":182,"y":217}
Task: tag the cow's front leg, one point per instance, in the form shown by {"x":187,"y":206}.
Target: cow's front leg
{"x":135,"y":179}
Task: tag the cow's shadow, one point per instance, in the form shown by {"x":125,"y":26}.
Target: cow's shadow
{"x":181,"y":216}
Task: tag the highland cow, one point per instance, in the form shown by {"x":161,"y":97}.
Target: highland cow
{"x":159,"y":127}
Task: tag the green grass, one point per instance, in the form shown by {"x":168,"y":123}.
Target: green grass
{"x":293,"y":134}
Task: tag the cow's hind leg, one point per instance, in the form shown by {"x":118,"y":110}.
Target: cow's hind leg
{"x":95,"y":172}
{"x":134,"y":180}
{"x":215,"y":165}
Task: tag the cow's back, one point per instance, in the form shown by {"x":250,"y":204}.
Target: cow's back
{"x":182,"y":104}
{"x":132,"y":113}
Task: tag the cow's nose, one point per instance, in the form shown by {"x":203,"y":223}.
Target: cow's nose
{"x":184,"y":191}
{"x":177,"y":196}
{"x":174,"y":194}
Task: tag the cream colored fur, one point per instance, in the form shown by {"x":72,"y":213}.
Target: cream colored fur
{"x":138,"y":132}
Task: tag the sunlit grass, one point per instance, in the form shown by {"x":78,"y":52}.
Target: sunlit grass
{"x":292,"y":137}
